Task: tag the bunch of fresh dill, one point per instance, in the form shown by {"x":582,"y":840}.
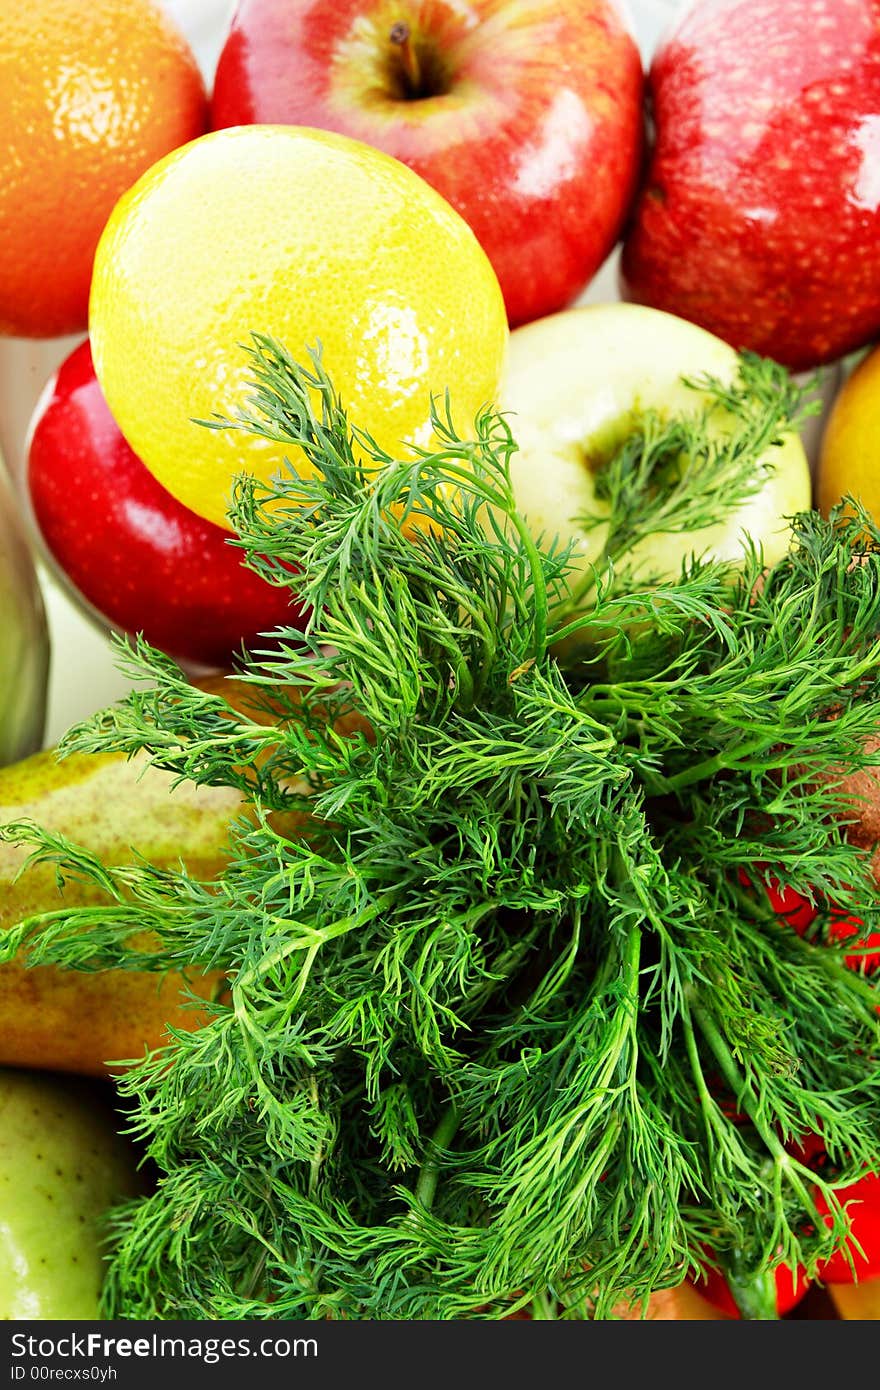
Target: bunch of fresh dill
{"x":510,"y":1021}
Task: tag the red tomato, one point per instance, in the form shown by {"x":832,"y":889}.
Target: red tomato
{"x":800,"y":913}
{"x":797,"y":910}
{"x":864,"y":1218}
{"x":844,"y":925}
{"x":787,"y":903}
{"x":810,"y":1150}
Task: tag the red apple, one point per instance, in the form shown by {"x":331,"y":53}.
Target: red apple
{"x":525,"y":114}
{"x":134,"y":556}
{"x":759,"y":216}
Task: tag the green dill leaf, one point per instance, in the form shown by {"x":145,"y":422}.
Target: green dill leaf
{"x":510,"y":1022}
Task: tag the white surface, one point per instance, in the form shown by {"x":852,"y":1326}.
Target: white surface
{"x":83,"y":675}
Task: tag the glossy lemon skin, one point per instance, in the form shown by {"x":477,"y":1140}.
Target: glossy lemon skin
{"x":313,"y":239}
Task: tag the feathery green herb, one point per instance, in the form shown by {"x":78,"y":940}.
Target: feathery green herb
{"x":512,"y":1026}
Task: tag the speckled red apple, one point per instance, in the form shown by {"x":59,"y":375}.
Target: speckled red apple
{"x":759,"y":216}
{"x":134,"y":556}
{"x":525,"y":114}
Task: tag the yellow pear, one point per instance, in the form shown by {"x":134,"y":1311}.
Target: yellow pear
{"x":70,"y":1020}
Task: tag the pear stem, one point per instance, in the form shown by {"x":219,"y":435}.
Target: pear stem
{"x":407,"y":58}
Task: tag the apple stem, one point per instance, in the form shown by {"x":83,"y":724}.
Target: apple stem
{"x":407,"y":58}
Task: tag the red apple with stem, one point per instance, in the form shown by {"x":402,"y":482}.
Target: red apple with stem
{"x":759,"y":214}
{"x":134,"y":557}
{"x":525,"y":114}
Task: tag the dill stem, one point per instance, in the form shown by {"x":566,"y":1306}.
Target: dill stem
{"x":429,"y":1176}
{"x":543,"y":1308}
{"x":784,"y":1162}
{"x":573,"y":606}
{"x":753,"y":1290}
{"x":318,"y":1155}
{"x":709,"y":767}
{"x":313,"y":940}
{"x":837,"y":970}
{"x":754,"y":1293}
{"x":734,"y":1078}
{"x":708,"y":1104}
{"x":539,"y":581}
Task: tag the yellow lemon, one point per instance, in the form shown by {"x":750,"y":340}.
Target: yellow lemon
{"x":849,"y":452}
{"x":306,"y":236}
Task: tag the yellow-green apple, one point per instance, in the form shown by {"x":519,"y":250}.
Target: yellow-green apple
{"x":575,"y":381}
{"x":63,"y":1165}
{"x":130,"y":554}
{"x":525,"y":114}
{"x":759,"y":213}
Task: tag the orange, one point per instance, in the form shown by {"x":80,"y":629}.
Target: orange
{"x":308,"y":237}
{"x":849,"y":451}
{"x":92,"y":92}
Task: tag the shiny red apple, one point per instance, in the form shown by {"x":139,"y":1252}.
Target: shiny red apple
{"x":759,"y":214}
{"x":525,"y":114}
{"x":132,"y":555}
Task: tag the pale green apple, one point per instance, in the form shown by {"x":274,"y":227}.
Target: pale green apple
{"x":574,"y":384}
{"x":63,"y":1163}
